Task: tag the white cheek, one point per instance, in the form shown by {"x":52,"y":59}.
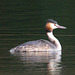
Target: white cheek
{"x":53,"y":26}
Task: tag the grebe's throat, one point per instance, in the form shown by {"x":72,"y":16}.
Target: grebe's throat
{"x":54,"y":40}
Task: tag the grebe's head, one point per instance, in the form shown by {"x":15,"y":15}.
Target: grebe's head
{"x":51,"y":24}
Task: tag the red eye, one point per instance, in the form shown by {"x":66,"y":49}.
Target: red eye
{"x":54,"y":24}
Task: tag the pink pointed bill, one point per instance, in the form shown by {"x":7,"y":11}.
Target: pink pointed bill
{"x":62,"y":27}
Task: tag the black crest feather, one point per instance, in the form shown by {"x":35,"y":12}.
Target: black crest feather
{"x":52,"y":21}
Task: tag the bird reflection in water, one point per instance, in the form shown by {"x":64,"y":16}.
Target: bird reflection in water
{"x":52,"y":59}
{"x":54,"y":65}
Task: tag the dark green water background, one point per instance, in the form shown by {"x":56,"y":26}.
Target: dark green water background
{"x":24,"y":20}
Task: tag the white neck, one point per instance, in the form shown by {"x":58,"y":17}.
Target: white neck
{"x":54,"y":40}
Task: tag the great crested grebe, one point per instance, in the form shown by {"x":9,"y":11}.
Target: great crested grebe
{"x":42,"y":45}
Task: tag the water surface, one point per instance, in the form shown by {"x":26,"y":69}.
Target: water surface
{"x":22,"y":21}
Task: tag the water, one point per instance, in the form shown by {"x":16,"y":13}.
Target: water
{"x":22,"y":21}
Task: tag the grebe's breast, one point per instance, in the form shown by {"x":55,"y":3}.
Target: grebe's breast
{"x":38,"y":45}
